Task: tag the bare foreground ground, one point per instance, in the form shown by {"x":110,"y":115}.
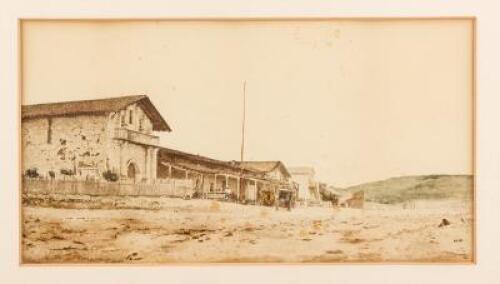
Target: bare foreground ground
{"x":167,"y":230}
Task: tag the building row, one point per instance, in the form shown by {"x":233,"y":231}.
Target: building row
{"x":112,"y":140}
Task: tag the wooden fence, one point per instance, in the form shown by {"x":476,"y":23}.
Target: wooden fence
{"x":167,"y":187}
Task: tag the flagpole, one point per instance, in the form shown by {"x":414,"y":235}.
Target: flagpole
{"x":243,"y":123}
{"x":241,"y":182}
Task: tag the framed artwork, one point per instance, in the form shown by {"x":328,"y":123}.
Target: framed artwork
{"x":306,"y":141}
{"x":282,"y":145}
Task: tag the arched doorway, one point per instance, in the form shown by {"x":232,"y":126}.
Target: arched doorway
{"x":132,"y":172}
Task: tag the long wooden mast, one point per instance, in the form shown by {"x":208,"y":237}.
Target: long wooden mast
{"x":243,"y":123}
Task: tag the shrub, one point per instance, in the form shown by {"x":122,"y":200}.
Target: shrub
{"x":67,"y":172}
{"x":432,"y":177}
{"x":52,"y":174}
{"x":32,"y":173}
{"x":110,"y":176}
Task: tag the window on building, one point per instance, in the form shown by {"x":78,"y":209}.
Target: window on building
{"x":141,"y":124}
{"x":131,"y":117}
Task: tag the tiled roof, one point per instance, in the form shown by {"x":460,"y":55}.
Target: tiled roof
{"x":99,"y":106}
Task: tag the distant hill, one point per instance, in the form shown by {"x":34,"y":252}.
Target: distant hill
{"x":400,"y":189}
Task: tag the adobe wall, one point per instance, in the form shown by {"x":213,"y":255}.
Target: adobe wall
{"x":70,"y":143}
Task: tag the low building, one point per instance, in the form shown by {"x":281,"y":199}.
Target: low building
{"x":353,"y":200}
{"x":273,"y":170}
{"x":308,"y":188}
{"x":90,"y":139}
{"x":207,"y":175}
{"x":248,"y":182}
{"x":275,"y":177}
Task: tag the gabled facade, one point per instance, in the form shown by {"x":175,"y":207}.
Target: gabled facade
{"x":308,"y":187}
{"x":272,"y":170}
{"x":91,"y":139}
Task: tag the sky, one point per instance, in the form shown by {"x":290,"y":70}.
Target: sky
{"x":357,"y":100}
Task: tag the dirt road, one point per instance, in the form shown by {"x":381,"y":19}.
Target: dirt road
{"x":164,"y":230}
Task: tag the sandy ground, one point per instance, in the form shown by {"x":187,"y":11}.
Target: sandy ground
{"x":165,"y":230}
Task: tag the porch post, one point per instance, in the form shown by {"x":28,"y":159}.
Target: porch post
{"x":215,"y":183}
{"x":256,"y":187}
{"x":202,"y":183}
{"x":147,"y":168}
{"x":154,"y":163}
{"x":238,"y":185}
{"x":227,"y":182}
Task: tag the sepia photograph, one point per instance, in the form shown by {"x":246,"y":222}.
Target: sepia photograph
{"x":247,"y":141}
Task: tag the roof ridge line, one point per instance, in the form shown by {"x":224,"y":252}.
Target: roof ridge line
{"x":87,"y":100}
